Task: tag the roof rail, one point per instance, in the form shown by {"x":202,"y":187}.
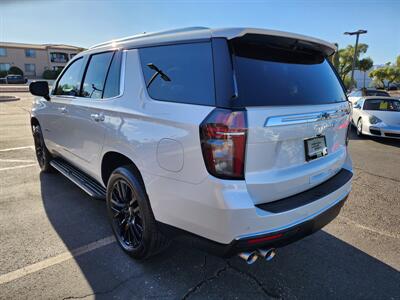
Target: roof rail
{"x":142,"y":35}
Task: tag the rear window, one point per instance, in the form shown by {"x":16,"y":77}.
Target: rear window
{"x":179,"y":73}
{"x":382,"y":104}
{"x":269,"y":75}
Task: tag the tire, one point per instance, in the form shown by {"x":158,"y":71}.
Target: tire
{"x":130,"y":215}
{"x":359,"y":127}
{"x":43,"y":155}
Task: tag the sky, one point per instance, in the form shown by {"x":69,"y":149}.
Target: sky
{"x":88,"y":22}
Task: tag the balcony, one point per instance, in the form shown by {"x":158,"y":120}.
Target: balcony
{"x":58,"y":57}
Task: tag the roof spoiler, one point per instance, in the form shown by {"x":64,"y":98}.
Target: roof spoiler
{"x":278,"y":37}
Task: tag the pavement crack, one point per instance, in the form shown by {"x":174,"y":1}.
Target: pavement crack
{"x":222,"y":270}
{"x":197,"y":287}
{"x":121,"y":283}
{"x":256,"y":280}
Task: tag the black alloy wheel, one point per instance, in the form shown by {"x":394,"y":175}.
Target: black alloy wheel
{"x":43,"y":155}
{"x":126,"y":220}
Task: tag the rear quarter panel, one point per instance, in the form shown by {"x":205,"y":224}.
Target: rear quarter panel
{"x":161,"y":138}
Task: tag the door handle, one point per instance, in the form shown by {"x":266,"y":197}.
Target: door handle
{"x":97,"y":117}
{"x":63,"y":110}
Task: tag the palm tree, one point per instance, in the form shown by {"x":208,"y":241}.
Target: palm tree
{"x":364,"y":65}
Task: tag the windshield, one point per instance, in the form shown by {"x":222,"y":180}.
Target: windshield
{"x":273,"y":76}
{"x":382,"y":104}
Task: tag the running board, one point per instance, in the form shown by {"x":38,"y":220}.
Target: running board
{"x":86,"y":183}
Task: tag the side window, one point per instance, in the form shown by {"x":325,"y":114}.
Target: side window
{"x":179,"y":73}
{"x":112,"y":86}
{"x":96,"y":73}
{"x":70,"y":82}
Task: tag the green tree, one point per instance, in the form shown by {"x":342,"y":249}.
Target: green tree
{"x":346,"y":58}
{"x":398,"y":61}
{"x":386,"y":74}
{"x":15,"y":71}
{"x":364,"y":65}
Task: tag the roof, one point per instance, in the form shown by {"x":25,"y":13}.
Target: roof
{"x":379,"y":97}
{"x":196,"y":33}
{"x":39,"y":46}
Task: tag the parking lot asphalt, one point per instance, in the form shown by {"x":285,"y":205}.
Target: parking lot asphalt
{"x":56,"y":243}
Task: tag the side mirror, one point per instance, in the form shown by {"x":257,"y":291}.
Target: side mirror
{"x":40,"y":88}
{"x":356,"y":106}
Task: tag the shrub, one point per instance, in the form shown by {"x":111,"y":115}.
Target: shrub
{"x":3,"y":74}
{"x":51,"y":74}
{"x":15,"y":71}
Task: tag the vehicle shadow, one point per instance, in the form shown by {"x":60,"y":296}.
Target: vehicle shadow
{"x":321,"y":266}
{"x":385,"y":141}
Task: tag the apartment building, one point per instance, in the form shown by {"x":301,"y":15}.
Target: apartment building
{"x":34,"y":59}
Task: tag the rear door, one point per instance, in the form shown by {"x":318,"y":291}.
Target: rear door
{"x":297,"y":116}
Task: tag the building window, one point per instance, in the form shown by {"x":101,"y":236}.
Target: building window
{"x":3,"y":52}
{"x":72,"y":55}
{"x":30,"y":52}
{"x":58,"y":57}
{"x":57,"y":68}
{"x":30,"y":68}
{"x":4,"y":67}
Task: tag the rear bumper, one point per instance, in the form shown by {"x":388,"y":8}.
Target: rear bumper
{"x":270,"y":225}
{"x":275,"y":239}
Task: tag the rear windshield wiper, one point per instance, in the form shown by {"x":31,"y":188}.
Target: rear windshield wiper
{"x":158,"y":72}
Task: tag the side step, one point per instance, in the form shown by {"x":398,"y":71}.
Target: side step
{"x":86,"y":183}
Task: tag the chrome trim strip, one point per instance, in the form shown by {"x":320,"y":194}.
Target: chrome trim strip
{"x":295,"y":223}
{"x":305,"y":118}
{"x":230,"y":133}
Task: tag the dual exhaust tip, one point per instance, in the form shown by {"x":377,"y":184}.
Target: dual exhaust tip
{"x":251,"y":257}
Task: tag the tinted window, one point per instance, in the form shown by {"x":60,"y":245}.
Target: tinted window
{"x":179,"y":73}
{"x":70,"y":82}
{"x":269,"y":75}
{"x":382,"y":104}
{"x":111,"y":88}
{"x":377,"y":93}
{"x":95,"y":77}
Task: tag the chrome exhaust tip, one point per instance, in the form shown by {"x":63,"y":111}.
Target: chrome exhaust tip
{"x":267,"y":254}
{"x":249,"y":257}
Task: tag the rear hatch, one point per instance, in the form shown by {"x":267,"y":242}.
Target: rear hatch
{"x":297,"y":115}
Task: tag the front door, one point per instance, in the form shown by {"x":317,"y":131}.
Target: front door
{"x":85,"y":117}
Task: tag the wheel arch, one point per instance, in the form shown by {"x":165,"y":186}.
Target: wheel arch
{"x":112,"y":160}
{"x":34,"y":121}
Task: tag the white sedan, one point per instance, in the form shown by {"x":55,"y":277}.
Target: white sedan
{"x":377,"y":116}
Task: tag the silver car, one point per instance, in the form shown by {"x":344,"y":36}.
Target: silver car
{"x":377,"y":116}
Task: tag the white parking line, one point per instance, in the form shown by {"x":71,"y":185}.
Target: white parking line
{"x":55,"y":260}
{"x":17,"y":167}
{"x":17,"y":148}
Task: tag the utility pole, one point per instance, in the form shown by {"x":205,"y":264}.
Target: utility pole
{"x":357,"y":33}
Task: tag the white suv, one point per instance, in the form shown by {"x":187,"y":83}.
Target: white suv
{"x":236,"y":138}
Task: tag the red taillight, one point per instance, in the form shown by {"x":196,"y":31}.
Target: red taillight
{"x":264,"y":239}
{"x":223,"y":141}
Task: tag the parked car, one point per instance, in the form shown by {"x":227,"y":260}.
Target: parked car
{"x":377,"y":116}
{"x":356,"y":95}
{"x":236,"y":138}
{"x":13,"y":79}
